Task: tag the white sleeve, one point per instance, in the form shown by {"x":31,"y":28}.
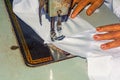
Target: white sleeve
{"x":114,"y":5}
{"x":109,"y":4}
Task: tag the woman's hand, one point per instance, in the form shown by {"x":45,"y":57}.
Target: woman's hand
{"x":81,"y":4}
{"x":112,"y":33}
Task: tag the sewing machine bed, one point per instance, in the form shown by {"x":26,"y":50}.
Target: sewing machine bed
{"x":32,"y":46}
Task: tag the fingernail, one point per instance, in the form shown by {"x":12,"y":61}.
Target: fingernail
{"x":72,"y":15}
{"x":98,"y":29}
{"x":104,"y":47}
{"x":89,"y":12}
{"x":96,"y":37}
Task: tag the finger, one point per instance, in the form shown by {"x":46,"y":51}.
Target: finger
{"x":74,"y":2}
{"x":110,"y":45}
{"x":81,"y":5}
{"x":93,"y":7}
{"x":107,"y":36}
{"x":107,"y":28}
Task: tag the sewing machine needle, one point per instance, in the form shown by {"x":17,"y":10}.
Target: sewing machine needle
{"x":41,"y":2}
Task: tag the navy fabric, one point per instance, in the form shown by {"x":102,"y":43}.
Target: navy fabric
{"x":35,"y":43}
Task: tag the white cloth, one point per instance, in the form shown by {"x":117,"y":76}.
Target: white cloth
{"x":106,"y":67}
{"x":114,"y":5}
{"x":102,"y":65}
{"x":24,"y":9}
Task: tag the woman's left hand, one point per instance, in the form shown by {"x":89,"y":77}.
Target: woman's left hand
{"x":112,"y":33}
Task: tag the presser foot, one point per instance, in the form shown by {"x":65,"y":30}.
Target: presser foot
{"x":60,"y":35}
{"x":53,"y":36}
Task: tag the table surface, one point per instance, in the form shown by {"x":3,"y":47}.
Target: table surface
{"x":12,"y":65}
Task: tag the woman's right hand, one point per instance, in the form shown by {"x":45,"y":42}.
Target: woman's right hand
{"x":81,"y":4}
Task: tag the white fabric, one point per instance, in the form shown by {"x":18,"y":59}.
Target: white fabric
{"x":104,"y":68}
{"x":27,"y":14}
{"x":102,"y":65}
{"x":114,"y":5}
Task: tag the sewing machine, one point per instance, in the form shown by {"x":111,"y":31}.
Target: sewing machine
{"x":12,"y":63}
{"x":56,"y":11}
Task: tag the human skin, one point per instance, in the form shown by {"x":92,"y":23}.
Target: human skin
{"x":112,"y":32}
{"x":81,"y":4}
